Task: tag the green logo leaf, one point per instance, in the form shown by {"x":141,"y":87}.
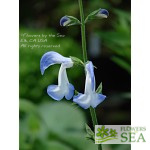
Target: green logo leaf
{"x":102,"y":132}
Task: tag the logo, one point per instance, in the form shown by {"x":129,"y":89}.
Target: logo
{"x":119,"y":134}
{"x":105,"y":134}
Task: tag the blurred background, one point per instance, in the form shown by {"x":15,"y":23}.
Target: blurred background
{"x":49,"y":125}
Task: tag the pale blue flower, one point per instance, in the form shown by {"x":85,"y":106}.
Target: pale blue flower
{"x":64,"y":88}
{"x":90,"y":98}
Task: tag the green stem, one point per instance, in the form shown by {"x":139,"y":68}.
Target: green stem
{"x":92,"y":110}
{"x":83,"y":32}
{"x":95,"y":122}
{"x":93,"y":115}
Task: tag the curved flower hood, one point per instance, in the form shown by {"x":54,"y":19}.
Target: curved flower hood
{"x":64,"y":21}
{"x":103,"y":13}
{"x":90,"y":98}
{"x":64,"y":88}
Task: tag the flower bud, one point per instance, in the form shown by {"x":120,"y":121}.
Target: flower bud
{"x":69,"y":21}
{"x":97,"y":14}
{"x":103,"y":13}
{"x":64,"y":21}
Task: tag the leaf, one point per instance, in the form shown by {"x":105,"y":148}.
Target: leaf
{"x":65,"y":123}
{"x":90,"y":133}
{"x":54,"y":115}
{"x":77,"y":61}
{"x":70,"y":21}
{"x":76,"y":92}
{"x":97,"y":14}
{"x":99,"y":89}
{"x":74,"y":21}
{"x":54,"y":122}
{"x":92,"y":15}
{"x":89,"y":130}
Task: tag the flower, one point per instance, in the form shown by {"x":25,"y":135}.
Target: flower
{"x":64,"y":88}
{"x":90,"y":97}
{"x":103,"y":13}
{"x":64,"y":21}
{"x":112,"y":133}
{"x":102,"y":132}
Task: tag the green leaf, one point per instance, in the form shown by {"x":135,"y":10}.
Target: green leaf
{"x":65,"y":123}
{"x":77,"y":61}
{"x":90,"y":133}
{"x":94,"y":15}
{"x":54,"y":115}
{"x":89,"y":130}
{"x":73,"y":21}
{"x":54,"y":122}
{"x":76,"y":92}
{"x":99,"y":89}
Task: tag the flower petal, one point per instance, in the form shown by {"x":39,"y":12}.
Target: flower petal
{"x":62,"y":76}
{"x":55,"y":92}
{"x":97,"y":99}
{"x":70,"y":92}
{"x":51,"y":58}
{"x":82,"y":100}
{"x":64,"y":88}
{"x":90,"y":78}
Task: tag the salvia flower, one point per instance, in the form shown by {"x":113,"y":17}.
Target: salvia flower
{"x":69,"y":21}
{"x":64,"y":88}
{"x":90,"y":98}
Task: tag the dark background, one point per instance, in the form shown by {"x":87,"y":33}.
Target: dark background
{"x":108,"y":43}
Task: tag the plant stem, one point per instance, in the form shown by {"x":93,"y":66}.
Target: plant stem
{"x":95,"y":122}
{"x":93,"y":115}
{"x":83,"y":32}
{"x":92,"y":110}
